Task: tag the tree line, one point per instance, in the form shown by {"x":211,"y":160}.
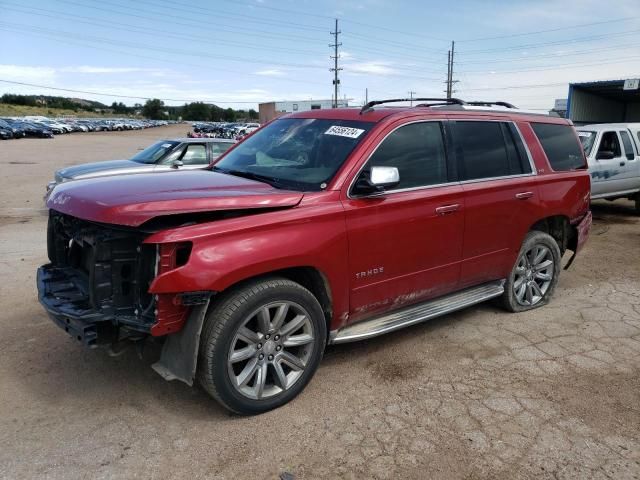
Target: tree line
{"x":154,"y":108}
{"x":201,"y":111}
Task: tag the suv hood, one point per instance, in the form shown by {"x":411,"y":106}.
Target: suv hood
{"x":131,"y":200}
{"x":87,"y":170}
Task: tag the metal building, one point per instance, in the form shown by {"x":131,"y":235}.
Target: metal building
{"x":270,"y":110}
{"x":608,"y":101}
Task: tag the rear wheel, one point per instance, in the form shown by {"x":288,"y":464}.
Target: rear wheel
{"x":637,"y":202}
{"x":260,"y":345}
{"x":535,"y":275}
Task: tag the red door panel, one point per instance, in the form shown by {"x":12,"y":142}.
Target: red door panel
{"x":498,"y":214}
{"x":402,"y":249}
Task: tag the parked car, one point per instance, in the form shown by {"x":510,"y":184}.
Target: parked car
{"x":326,"y":226}
{"x":32,"y":129}
{"x":5,"y":133}
{"x":613,"y":154}
{"x":162,"y":156}
{"x":56,"y":128}
{"x":9,"y":125}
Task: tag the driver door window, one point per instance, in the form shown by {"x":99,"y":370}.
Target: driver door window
{"x":610,"y":143}
{"x":417,"y":151}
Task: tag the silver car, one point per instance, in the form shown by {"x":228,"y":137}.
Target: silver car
{"x":163,"y":156}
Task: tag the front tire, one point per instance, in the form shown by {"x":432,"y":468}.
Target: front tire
{"x":260,"y":345}
{"x":535,"y":275}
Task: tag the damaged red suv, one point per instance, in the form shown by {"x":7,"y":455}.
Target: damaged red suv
{"x":322,"y":227}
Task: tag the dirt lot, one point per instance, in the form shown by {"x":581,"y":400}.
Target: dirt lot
{"x":553,"y":393}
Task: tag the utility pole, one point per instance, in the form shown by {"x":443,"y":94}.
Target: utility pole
{"x":411,"y":94}
{"x":366,"y":96}
{"x":335,"y":68}
{"x":450,"y":81}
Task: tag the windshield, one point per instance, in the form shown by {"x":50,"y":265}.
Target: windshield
{"x":155,"y":152}
{"x":296,"y":153}
{"x":586,"y":139}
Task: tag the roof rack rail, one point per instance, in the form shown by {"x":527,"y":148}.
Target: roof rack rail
{"x":488,"y":104}
{"x":443,"y":101}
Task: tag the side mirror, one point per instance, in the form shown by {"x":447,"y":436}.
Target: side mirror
{"x":176,"y":164}
{"x":605,"y":155}
{"x":377,"y":180}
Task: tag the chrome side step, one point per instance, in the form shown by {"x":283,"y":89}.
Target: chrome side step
{"x":417,"y":313}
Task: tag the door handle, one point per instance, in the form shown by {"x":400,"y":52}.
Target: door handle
{"x":445,"y":209}
{"x":524,"y":195}
{"x":622,"y":164}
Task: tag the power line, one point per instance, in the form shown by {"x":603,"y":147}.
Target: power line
{"x":550,"y":30}
{"x":149,"y":31}
{"x":106,"y":94}
{"x":188,"y":22}
{"x":560,"y":66}
{"x":558,"y":42}
{"x":624,"y":46}
{"x":164,"y":60}
{"x":218,"y":13}
{"x":140,"y":46}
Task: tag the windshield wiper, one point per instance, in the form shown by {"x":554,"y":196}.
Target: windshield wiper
{"x":274,"y":182}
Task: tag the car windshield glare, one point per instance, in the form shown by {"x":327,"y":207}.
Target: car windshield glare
{"x":155,"y":152}
{"x":296,"y":153}
{"x":586,"y":139}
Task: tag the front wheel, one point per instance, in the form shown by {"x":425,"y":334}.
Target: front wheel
{"x":535,"y":275}
{"x":260,"y":345}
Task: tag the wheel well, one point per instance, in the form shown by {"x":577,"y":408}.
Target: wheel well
{"x":311,"y":279}
{"x":559,"y":228}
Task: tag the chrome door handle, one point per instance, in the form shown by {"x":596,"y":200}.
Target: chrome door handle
{"x":524,"y":195}
{"x":445,"y":209}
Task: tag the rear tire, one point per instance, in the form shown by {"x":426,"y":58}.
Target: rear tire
{"x":261,"y":345}
{"x":637,"y":202}
{"x":535,"y":274}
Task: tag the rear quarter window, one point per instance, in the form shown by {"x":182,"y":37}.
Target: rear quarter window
{"x":561,"y":146}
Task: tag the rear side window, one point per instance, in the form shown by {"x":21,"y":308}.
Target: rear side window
{"x":489,"y":150}
{"x":218,"y":148}
{"x":561,"y":146}
{"x":417,"y":150}
{"x":628,"y":148}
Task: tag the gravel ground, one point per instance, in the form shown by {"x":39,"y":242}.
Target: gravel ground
{"x":553,"y":393}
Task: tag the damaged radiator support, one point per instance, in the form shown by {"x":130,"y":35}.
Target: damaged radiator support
{"x":98,"y":279}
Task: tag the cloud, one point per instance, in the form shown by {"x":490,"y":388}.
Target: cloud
{"x":22,"y":73}
{"x":271,"y":72}
{"x":101,"y":70}
{"x":370,"y":68}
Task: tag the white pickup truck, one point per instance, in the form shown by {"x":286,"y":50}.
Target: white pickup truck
{"x":613,"y":153}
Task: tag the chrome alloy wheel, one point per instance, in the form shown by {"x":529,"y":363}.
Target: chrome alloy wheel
{"x":533,"y":275}
{"x":270,"y":350}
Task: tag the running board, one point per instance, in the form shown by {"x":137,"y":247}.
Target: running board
{"x":417,"y":313}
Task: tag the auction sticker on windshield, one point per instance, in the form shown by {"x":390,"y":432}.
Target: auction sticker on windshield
{"x":348,"y":132}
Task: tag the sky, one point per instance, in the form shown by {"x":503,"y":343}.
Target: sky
{"x":238,"y":53}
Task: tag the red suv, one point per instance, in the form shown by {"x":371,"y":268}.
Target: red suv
{"x":322,"y":227}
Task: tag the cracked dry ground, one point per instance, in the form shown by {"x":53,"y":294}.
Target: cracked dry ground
{"x":553,"y":393}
